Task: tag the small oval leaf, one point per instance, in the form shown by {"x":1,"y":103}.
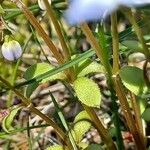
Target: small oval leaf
{"x":133,"y":79}
{"x":88,"y":92}
{"x":81,"y":125}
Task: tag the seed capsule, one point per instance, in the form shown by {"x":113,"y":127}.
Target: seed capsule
{"x":11,"y":50}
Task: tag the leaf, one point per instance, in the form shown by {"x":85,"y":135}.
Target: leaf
{"x":133,"y":79}
{"x":81,"y":125}
{"x":40,"y":68}
{"x":30,"y":88}
{"x":94,"y":147}
{"x":57,"y":147}
{"x":83,"y":87}
{"x":88,"y":92}
{"x":7,"y":121}
{"x":146,"y":115}
{"x":94,"y":67}
{"x":56,"y":70}
{"x":132,"y":45}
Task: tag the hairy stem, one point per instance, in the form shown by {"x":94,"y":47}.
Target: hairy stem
{"x":128,"y":115}
{"x":101,"y":129}
{"x":115,"y":43}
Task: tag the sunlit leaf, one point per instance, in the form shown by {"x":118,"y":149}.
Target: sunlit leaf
{"x":81,"y":125}
{"x":94,"y":67}
{"x":88,"y":92}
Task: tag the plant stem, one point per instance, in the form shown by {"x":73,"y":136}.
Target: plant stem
{"x":137,"y":114}
{"x":107,"y":66}
{"x":27,"y":103}
{"x":104,"y":133}
{"x":128,"y":115}
{"x":115,"y":43}
{"x":58,"y":29}
{"x":40,"y":30}
{"x":65,"y":48}
{"x":129,"y":14}
{"x":14,"y":74}
{"x":90,"y":37}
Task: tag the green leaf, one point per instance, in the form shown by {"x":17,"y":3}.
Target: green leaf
{"x":57,"y":147}
{"x":94,"y":67}
{"x":40,"y":68}
{"x":30,"y":88}
{"x":87,"y":91}
{"x":7,"y":121}
{"x":56,"y":70}
{"x":133,"y":79}
{"x":146,"y":115}
{"x":94,"y":147}
{"x":1,"y":10}
{"x":132,"y":45}
{"x":81,"y":125}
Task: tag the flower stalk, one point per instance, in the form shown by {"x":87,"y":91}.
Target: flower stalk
{"x":40,"y":31}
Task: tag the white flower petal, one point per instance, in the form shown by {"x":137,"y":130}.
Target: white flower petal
{"x":88,"y":10}
{"x":6,"y":52}
{"x":11,"y":50}
{"x":16,"y":49}
{"x":91,"y":10}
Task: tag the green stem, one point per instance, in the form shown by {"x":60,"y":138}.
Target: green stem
{"x":107,"y":66}
{"x":27,"y":103}
{"x":115,"y":43}
{"x":15,"y":72}
{"x":129,"y":14}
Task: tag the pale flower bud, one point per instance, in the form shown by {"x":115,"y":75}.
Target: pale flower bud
{"x":42,"y":5}
{"x":11,"y":50}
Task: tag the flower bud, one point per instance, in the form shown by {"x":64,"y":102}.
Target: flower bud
{"x":42,"y":5}
{"x":11,"y":50}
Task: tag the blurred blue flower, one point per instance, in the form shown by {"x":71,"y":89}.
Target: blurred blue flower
{"x":11,"y":50}
{"x":92,"y":10}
